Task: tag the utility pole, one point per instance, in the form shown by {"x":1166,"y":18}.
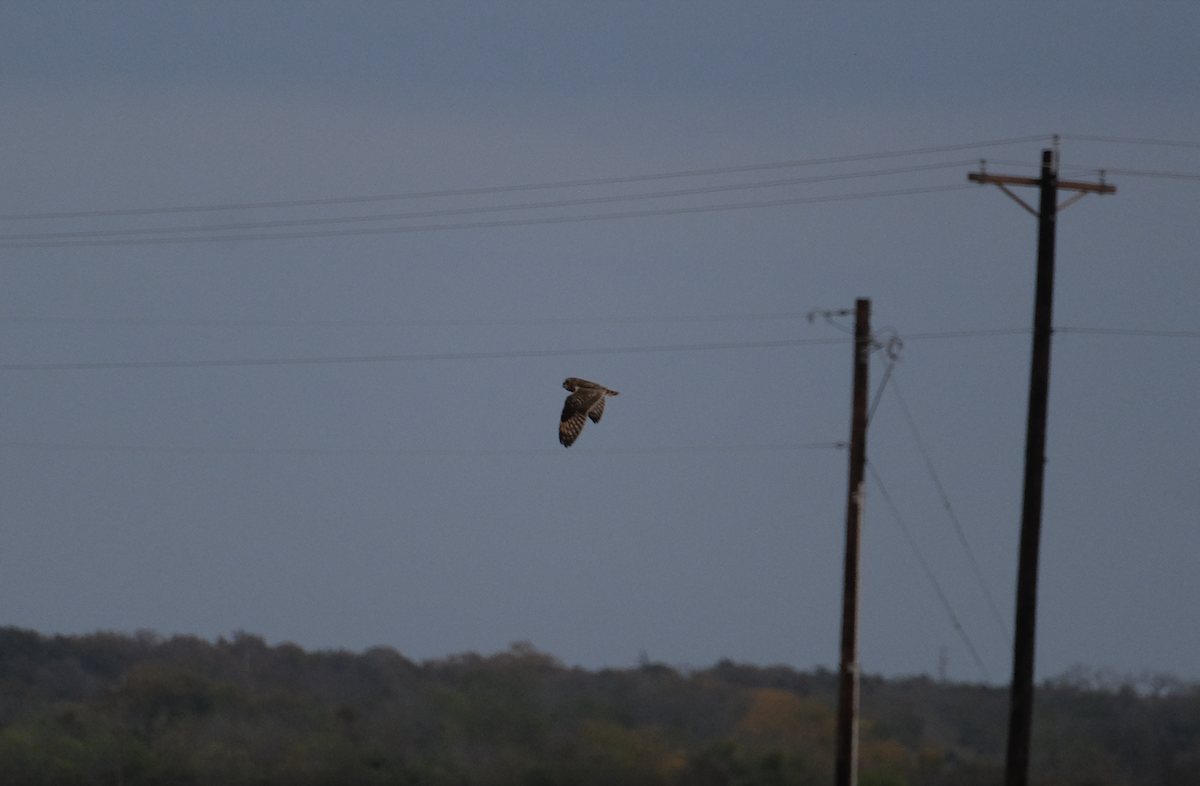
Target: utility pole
{"x":846,"y":772}
{"x":1020,"y":718}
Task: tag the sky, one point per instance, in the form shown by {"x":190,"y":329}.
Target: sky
{"x":288,"y":292}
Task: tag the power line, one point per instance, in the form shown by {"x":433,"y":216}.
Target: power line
{"x":1064,"y":329}
{"x":489,"y":224}
{"x":1111,"y":170}
{"x":437,"y":356}
{"x":510,"y":354}
{"x":388,"y":452}
{"x":634,"y":320}
{"x":558,"y":203}
{"x":958,"y":529}
{"x":1107,"y":170}
{"x":887,"y":375}
{"x":967,"y":334}
{"x":1129,"y":141}
{"x":929,"y":574}
{"x":1125,"y":332}
{"x":524,"y":186}
{"x":356,"y":323}
{"x":1147,"y":173}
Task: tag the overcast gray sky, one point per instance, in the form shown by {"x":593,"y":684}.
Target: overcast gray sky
{"x":415,"y":494}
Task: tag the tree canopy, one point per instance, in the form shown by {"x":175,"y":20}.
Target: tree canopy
{"x":142,"y":709}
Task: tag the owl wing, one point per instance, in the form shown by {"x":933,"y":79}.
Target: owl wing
{"x":574,"y":415}
{"x":596,"y":411}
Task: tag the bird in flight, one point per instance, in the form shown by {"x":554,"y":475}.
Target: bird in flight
{"x":586,"y":401}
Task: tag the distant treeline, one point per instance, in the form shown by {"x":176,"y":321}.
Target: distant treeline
{"x":115,"y":709}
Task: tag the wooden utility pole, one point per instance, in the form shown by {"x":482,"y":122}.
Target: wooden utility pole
{"x":846,"y":773}
{"x":1020,"y":718}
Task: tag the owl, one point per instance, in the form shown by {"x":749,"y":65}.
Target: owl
{"x":586,"y":401}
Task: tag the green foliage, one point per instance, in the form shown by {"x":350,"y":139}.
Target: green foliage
{"x":72,"y":745}
{"x":107,"y":709}
{"x":882,"y":778}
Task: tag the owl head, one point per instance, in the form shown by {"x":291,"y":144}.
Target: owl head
{"x":571,"y":384}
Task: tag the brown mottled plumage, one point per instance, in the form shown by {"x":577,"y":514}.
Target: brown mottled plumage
{"x":586,"y":401}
